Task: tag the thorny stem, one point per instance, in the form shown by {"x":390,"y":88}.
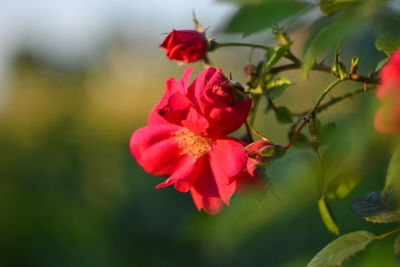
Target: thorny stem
{"x":253,"y":111}
{"x":323,"y":68}
{"x":324,"y":93}
{"x":309,"y":114}
{"x":296,"y":134}
{"x":297,"y":63}
{"x":289,"y":55}
{"x":242,"y":44}
{"x":335,"y":100}
{"x":248,"y":130}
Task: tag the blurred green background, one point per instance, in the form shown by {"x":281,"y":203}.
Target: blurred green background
{"x":78,"y":77}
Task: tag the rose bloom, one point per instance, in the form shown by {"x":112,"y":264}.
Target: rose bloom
{"x":185,"y":45}
{"x":186,"y":140}
{"x":387,"y":119}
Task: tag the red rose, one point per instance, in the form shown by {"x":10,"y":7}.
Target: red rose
{"x":182,"y":142}
{"x":185,"y":45}
{"x":387,"y":119}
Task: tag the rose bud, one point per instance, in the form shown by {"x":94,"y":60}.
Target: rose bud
{"x":185,"y":45}
{"x":258,"y":150}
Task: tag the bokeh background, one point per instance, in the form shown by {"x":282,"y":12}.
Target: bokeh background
{"x":78,"y":77}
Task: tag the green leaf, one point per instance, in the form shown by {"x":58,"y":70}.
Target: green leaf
{"x":278,"y":86}
{"x":275,"y":54}
{"x":328,"y":132}
{"x":327,"y":216}
{"x":330,"y":7}
{"x":283,"y":115}
{"x":329,"y":37}
{"x":397,"y":246}
{"x":341,"y":249}
{"x":302,"y":140}
{"x":388,"y":43}
{"x":314,"y":127}
{"x":335,"y":31}
{"x":381,"y":63}
{"x":252,"y":18}
{"x":336,"y":153}
{"x":341,"y":186}
{"x":393,"y":174}
{"x":372,"y":207}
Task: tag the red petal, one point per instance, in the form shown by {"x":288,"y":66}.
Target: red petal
{"x":183,"y":177}
{"x":195,"y":122}
{"x":227,"y":159}
{"x":187,"y":73}
{"x":156,"y":150}
{"x":387,"y":121}
{"x":196,"y":89}
{"x":204,"y":191}
{"x":172,"y":86}
{"x":230,"y":119}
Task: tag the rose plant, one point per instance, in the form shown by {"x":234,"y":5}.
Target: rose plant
{"x":186,"y":137}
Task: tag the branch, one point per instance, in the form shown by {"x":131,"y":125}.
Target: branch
{"x":337,"y":99}
{"x":324,"y":68}
{"x":308,"y":115}
{"x":288,"y":55}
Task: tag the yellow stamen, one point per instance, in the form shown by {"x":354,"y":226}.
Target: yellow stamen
{"x":192,"y":144}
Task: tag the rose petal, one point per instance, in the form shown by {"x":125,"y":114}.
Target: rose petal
{"x":204,"y":191}
{"x":196,"y":122}
{"x":172,"y":86}
{"x":387,"y":120}
{"x":196,"y":89}
{"x":229,"y":119}
{"x":184,"y":176}
{"x":156,"y":150}
{"x":228,"y":159}
{"x":187,"y":73}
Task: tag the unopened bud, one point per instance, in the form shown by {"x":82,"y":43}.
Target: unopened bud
{"x":263,"y":151}
{"x":250,"y":69}
{"x":354,"y":65}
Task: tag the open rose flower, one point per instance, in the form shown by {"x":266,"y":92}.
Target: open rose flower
{"x":186,"y":140}
{"x":185,"y":45}
{"x":387,"y":119}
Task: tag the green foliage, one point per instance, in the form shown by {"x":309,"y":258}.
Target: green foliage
{"x":283,"y":115}
{"x":330,"y":7}
{"x":277,"y":87}
{"x":301,"y":142}
{"x":341,"y":249}
{"x":329,"y":37}
{"x":372,"y":207}
{"x":275,"y":54}
{"x":314,"y":127}
{"x":327,"y":216}
{"x":380,"y":64}
{"x":334,"y":31}
{"x":388,"y":43}
{"x":342,"y":185}
{"x":393,"y":174}
{"x":252,"y":18}
{"x":397,"y":246}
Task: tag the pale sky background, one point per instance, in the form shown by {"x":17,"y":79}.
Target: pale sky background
{"x":72,"y":31}
{"x":73,"y":28}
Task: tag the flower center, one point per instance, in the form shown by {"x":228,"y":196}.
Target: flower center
{"x":192,"y":144}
